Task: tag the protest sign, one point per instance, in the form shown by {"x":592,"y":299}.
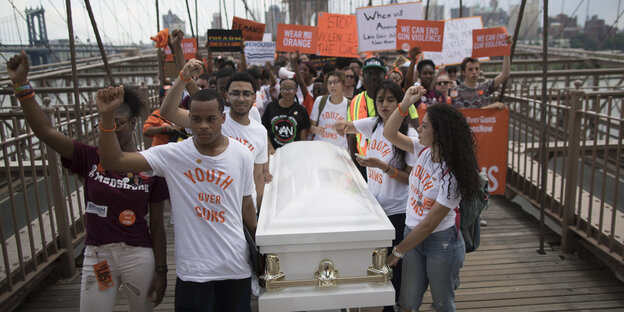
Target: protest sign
{"x":490,"y":42}
{"x":259,"y":52}
{"x":427,"y":35}
{"x":291,"y":38}
{"x":189,"y":47}
{"x":376,"y":25}
{"x":252,"y":31}
{"x":457,"y":41}
{"x":337,"y":35}
{"x":225,"y":40}
{"x":491,"y":129}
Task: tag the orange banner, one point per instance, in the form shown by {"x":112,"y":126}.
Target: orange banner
{"x":337,"y":35}
{"x":491,"y":128}
{"x":490,"y":42}
{"x":292,"y":38}
{"x":189,"y":47}
{"x":252,"y":31}
{"x":427,"y":35}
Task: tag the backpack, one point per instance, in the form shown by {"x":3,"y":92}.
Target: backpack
{"x":469,"y":214}
{"x":321,"y":107}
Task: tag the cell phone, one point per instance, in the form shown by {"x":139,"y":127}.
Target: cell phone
{"x":360,"y":156}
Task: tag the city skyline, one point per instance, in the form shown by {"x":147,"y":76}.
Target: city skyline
{"x":117,"y":26}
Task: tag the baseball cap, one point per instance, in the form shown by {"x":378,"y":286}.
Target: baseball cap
{"x":374,"y":62}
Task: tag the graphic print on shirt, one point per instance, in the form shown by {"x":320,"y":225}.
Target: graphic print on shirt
{"x":331,"y":118}
{"x":125,"y":183}
{"x":425,"y":182}
{"x":285,"y":128}
{"x":215,"y":212}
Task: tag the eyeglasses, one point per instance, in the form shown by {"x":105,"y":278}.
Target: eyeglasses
{"x":440,"y":83}
{"x":237,"y":94}
{"x":202,"y":86}
{"x":288,"y":89}
{"x":333,"y":82}
{"x":350,"y":76}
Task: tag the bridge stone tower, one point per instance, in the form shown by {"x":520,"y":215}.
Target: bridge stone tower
{"x":303,"y":12}
{"x":37,"y":35}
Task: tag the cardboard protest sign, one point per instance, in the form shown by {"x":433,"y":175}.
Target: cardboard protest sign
{"x":490,"y":42}
{"x":292,"y":38}
{"x":376,"y":25}
{"x":491,"y":129}
{"x":427,"y":35}
{"x":337,"y":35}
{"x":225,"y":40}
{"x":457,"y":41}
{"x":189,"y":47}
{"x":259,"y":52}
{"x":252,"y":31}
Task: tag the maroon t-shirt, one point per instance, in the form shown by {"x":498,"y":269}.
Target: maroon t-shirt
{"x":116,"y":204}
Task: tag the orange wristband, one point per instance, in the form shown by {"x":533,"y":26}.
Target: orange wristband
{"x":396,"y":172}
{"x":107,"y":130}
{"x":26,"y":97}
{"x":400,"y":112}
{"x":182,"y":77}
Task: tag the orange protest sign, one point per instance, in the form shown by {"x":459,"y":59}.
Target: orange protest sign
{"x":252,"y":31}
{"x":292,"y":38}
{"x":337,"y":35}
{"x":189,"y":47}
{"x":491,"y":128}
{"x":427,"y":35}
{"x":490,"y":42}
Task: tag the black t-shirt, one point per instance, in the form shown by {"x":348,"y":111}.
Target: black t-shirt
{"x":285,"y":124}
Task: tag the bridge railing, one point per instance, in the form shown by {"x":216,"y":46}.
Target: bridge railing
{"x":42,"y":208}
{"x":584,"y":170}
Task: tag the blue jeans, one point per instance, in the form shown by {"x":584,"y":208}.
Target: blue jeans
{"x":434,"y":262}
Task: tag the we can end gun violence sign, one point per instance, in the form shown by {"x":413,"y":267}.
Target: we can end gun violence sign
{"x":427,"y":35}
{"x":490,"y":42}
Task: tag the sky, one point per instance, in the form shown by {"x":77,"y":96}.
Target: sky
{"x":134,"y":21}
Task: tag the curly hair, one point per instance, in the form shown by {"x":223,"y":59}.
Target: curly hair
{"x":398,"y":160}
{"x":455,"y":142}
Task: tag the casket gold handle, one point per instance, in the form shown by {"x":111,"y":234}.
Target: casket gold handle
{"x":326,"y":275}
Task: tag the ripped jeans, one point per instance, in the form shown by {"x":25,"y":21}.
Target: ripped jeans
{"x":130,"y":266}
{"x":435,"y":262}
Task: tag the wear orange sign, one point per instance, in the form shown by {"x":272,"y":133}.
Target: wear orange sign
{"x":189,"y":47}
{"x":427,"y":35}
{"x":490,"y":42}
{"x":292,"y":38}
{"x":337,"y":35}
{"x":491,"y":128}
{"x":252,"y":31}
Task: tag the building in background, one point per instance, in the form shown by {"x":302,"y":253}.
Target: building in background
{"x":172,"y":22}
{"x":216,"y":21}
{"x":272,"y":17}
{"x":304,"y":12}
{"x":436,"y":11}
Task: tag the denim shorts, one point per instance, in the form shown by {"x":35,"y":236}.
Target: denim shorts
{"x":434,"y":262}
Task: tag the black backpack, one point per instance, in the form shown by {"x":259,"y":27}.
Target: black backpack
{"x":470,"y":214}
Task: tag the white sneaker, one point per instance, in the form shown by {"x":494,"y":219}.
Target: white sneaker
{"x":483,"y":222}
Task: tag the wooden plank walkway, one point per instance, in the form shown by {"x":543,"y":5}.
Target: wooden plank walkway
{"x":505,"y":274}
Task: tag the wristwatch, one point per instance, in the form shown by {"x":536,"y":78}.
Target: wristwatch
{"x":397,"y":253}
{"x":162,"y":269}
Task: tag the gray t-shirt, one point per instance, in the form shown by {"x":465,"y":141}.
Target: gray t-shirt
{"x":465,"y":97}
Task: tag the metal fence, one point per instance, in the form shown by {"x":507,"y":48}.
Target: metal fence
{"x":584,"y":152}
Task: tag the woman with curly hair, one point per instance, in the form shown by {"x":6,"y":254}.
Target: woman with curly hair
{"x":445,"y":172}
{"x":387,"y":166}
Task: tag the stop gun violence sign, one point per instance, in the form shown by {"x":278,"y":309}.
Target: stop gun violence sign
{"x":427,"y":35}
{"x":292,"y":38}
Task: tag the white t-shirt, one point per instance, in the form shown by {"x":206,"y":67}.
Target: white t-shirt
{"x":330,"y":114}
{"x":206,"y":198}
{"x":390,"y":193}
{"x":254,"y":114}
{"x":429,"y":183}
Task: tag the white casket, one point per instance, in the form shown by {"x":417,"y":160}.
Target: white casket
{"x":323,"y":233}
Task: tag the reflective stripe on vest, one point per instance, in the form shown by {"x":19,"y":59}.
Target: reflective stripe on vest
{"x":359,"y":109}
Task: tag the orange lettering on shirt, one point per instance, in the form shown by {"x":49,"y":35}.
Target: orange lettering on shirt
{"x":219,"y":178}
{"x":189,"y":175}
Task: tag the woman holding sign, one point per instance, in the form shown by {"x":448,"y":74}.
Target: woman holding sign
{"x":445,"y":172}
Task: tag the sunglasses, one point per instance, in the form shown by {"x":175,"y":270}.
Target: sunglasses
{"x":440,"y":83}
